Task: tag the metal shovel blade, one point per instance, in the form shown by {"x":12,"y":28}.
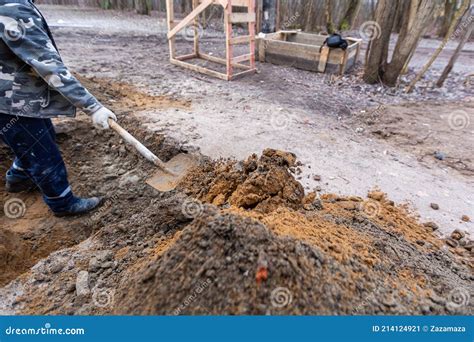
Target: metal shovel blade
{"x":178,"y":167}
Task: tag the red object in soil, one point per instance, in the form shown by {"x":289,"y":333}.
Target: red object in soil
{"x":262,"y":274}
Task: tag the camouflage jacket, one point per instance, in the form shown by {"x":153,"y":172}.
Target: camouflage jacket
{"x":34,"y":82}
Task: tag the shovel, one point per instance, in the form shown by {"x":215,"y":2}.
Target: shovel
{"x":170,"y":173}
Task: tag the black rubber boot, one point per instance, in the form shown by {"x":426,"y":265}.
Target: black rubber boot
{"x":79,"y":206}
{"x":23,"y":185}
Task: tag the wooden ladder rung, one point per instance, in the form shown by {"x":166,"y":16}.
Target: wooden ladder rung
{"x":241,"y":40}
{"x":242,"y":58}
{"x":243,"y":18}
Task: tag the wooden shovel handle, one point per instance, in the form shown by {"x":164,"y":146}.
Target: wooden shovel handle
{"x":138,"y":146}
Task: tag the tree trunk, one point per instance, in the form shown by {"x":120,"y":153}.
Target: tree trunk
{"x":328,"y":15}
{"x":449,"y":10}
{"x":421,"y":13}
{"x":309,"y":20}
{"x":141,"y":7}
{"x":347,"y":21}
{"x":465,"y":37}
{"x":105,"y":4}
{"x":401,"y":16}
{"x":377,"y":56}
{"x":464,"y":7}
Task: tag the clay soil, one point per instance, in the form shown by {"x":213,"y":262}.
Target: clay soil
{"x":236,"y":237}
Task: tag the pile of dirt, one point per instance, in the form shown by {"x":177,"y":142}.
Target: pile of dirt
{"x":262,"y":184}
{"x":279,"y":253}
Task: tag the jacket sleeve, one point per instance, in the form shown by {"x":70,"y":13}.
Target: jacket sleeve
{"x":24,"y":33}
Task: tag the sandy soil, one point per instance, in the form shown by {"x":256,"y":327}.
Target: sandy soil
{"x":310,"y":114}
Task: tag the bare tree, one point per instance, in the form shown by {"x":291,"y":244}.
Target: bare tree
{"x":449,"y":9}
{"x":464,"y":7}
{"x":416,"y":18}
{"x":467,"y":31}
{"x":141,"y":7}
{"x":328,"y":15}
{"x":377,"y":55}
{"x":347,"y":22}
{"x":421,"y":13}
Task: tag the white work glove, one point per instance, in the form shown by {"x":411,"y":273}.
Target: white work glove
{"x":101,"y":117}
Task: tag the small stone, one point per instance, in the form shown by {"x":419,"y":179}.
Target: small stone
{"x":107,"y":264}
{"x":389,"y":301}
{"x":451,"y":242}
{"x":439,"y":155}
{"x":425,"y":309}
{"x":110,"y":177}
{"x":71,"y":287}
{"x":469,"y":246}
{"x":94,"y":265}
{"x":104,"y":255}
{"x":317,"y":178}
{"x":431,"y":225}
{"x":132,"y":179}
{"x":376,"y":195}
{"x":457,"y":234}
{"x":348,"y":205}
{"x":82,"y":284}
{"x":434,"y":206}
{"x":465,"y":218}
{"x":56,"y":267}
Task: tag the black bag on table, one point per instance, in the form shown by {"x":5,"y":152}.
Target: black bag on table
{"x":336,"y":41}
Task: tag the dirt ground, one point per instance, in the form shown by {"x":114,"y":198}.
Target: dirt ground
{"x":299,"y":232}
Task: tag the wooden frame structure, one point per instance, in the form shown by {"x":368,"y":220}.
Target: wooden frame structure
{"x":230,"y":18}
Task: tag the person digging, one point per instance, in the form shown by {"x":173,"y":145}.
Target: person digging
{"x":36,"y":86}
